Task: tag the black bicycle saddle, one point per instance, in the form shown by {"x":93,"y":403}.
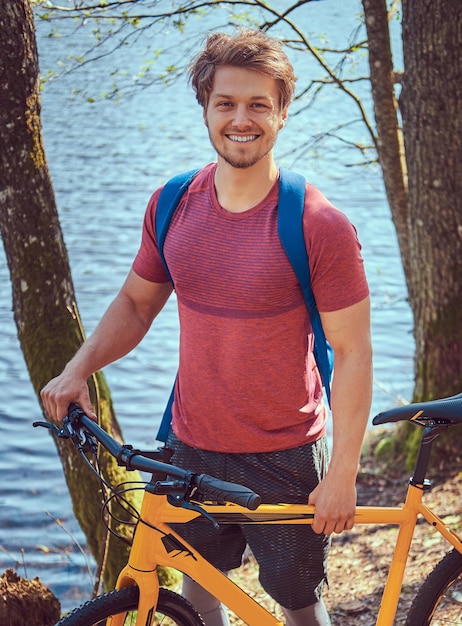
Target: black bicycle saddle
{"x":447,"y":409}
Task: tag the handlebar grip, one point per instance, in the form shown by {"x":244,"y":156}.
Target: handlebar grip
{"x":229,"y":492}
{"x":74,"y":411}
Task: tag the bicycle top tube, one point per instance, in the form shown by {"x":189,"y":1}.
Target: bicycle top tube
{"x":449,"y":410}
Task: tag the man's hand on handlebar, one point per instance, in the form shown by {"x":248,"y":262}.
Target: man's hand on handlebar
{"x":63,"y":390}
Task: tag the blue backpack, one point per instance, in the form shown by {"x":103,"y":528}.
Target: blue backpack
{"x":290,"y":228}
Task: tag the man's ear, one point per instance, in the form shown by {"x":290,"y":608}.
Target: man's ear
{"x":204,"y":116}
{"x":284,"y":115}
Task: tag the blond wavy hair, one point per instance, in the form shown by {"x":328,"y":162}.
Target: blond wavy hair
{"x":246,"y":48}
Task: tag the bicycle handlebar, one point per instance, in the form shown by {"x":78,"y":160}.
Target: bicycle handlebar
{"x":209,"y":487}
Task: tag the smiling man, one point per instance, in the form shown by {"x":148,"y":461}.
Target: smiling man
{"x":248,"y":404}
{"x":243,"y":115}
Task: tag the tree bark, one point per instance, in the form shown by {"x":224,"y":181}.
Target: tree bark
{"x":425,"y":191}
{"x":43,"y":294}
{"x":390,"y":146}
{"x":432,"y":122}
{"x":427,"y":205}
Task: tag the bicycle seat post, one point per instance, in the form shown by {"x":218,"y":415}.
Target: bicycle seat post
{"x":430,"y":433}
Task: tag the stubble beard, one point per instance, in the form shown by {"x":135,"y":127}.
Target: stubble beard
{"x":239,"y":163}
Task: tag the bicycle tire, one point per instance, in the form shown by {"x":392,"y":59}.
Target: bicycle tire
{"x":172,"y":609}
{"x":439,"y":600}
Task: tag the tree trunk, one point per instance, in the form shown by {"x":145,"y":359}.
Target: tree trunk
{"x":43,"y":294}
{"x":425,"y":201}
{"x":432,"y":122}
{"x":426,"y":208}
{"x":390,"y":146}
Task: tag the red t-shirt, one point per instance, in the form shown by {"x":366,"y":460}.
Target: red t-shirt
{"x":247,"y":378}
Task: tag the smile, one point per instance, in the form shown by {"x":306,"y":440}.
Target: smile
{"x":242,"y":139}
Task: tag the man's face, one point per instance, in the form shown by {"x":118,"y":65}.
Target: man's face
{"x":243,"y":115}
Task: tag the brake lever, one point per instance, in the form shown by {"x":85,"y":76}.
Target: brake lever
{"x":84,"y":442}
{"x":57,"y":432}
{"x":192,"y":506}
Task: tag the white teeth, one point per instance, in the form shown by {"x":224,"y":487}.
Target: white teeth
{"x":242,"y":139}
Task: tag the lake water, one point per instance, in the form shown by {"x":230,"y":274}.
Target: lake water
{"x":105,"y":160}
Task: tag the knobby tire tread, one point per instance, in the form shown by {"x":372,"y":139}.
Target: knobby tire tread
{"x":433,"y":589}
{"x":94,"y":611}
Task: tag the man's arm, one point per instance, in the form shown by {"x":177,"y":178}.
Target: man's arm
{"x":348,"y":331}
{"x":122,"y":327}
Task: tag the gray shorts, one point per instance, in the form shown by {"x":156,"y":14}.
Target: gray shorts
{"x":291,"y":558}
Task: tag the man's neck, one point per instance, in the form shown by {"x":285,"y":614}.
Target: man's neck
{"x":239,"y":190}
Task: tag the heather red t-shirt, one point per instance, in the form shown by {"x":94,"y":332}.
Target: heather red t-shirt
{"x":247,"y":377}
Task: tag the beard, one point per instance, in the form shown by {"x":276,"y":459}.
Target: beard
{"x":243,"y":161}
{"x":241,"y":164}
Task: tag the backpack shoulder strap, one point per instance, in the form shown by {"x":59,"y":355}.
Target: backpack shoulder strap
{"x":169,"y":197}
{"x":290,"y":227}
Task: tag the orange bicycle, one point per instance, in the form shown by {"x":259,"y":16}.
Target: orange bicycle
{"x":176,"y":495}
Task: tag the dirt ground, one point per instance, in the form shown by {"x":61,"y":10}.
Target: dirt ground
{"x":26,"y":602}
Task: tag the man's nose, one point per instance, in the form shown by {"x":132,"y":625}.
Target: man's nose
{"x":241,"y":116}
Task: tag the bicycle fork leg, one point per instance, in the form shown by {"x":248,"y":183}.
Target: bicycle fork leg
{"x":148,"y":584}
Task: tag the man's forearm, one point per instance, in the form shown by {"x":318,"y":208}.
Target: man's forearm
{"x":351,"y":400}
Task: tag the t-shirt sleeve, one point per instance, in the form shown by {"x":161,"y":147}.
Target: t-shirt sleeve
{"x":337,"y":271}
{"x":147,"y":263}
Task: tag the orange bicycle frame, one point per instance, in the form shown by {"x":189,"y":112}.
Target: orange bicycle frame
{"x":156,"y":544}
